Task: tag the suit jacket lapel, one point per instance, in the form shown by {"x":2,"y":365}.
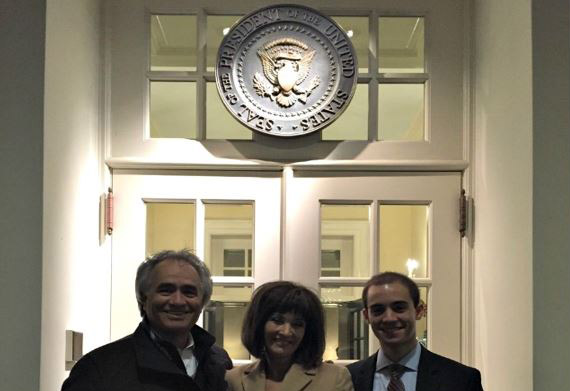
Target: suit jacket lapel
{"x":253,"y":378}
{"x":150,"y":356}
{"x":428,"y":372}
{"x":298,"y":378}
{"x":365,"y":378}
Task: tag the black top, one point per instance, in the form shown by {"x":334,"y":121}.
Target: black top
{"x":435,"y":373}
{"x":137,"y":363}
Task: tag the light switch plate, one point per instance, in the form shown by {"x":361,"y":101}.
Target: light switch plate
{"x":73,"y":348}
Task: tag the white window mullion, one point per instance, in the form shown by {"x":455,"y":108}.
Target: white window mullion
{"x":200,"y":229}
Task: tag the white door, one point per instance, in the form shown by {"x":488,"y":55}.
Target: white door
{"x":404,"y":223}
{"x":154,"y":212}
{"x":330,"y":233}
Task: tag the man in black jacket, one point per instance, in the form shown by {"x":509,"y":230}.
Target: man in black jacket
{"x":167,"y":351}
{"x":391,"y":307}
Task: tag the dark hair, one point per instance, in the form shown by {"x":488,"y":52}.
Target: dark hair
{"x":142,"y":281}
{"x":283,"y":297}
{"x":388,"y":278}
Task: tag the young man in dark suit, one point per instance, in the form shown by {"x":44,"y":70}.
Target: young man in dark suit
{"x":391,"y":307}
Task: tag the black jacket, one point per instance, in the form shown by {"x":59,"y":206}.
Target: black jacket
{"x":435,"y":373}
{"x":137,"y":363}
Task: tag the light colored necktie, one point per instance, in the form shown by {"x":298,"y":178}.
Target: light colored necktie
{"x":396,"y":371}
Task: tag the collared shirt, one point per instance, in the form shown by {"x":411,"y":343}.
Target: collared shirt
{"x":188,"y":357}
{"x":410,"y":376}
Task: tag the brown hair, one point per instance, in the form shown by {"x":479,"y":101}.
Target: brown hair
{"x":283,"y":297}
{"x":388,"y":278}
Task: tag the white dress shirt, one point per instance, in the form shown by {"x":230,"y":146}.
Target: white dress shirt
{"x":410,"y":361}
{"x":188,"y":358}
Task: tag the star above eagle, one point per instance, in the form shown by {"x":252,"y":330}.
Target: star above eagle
{"x":286,"y":63}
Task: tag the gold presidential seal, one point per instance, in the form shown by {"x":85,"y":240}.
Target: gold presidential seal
{"x":286,"y":70}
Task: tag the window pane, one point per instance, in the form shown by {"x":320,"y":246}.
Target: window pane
{"x":172,"y":109}
{"x":235,"y":273}
{"x":421,"y":324}
{"x":173,"y":43}
{"x":345,"y":231}
{"x":401,"y":44}
{"x":346,"y":328}
{"x":234,"y":258}
{"x":330,"y":259}
{"x":353,"y":123}
{"x":223,"y":318}
{"x":169,"y":226}
{"x":219,"y":123}
{"x":228,"y":239}
{"x":401,"y":112}
{"x":403,"y":237}
{"x":218,"y":26}
{"x":356,"y":27}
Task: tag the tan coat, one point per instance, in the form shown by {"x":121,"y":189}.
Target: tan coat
{"x":326,"y":377}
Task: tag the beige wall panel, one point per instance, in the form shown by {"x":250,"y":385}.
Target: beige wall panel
{"x":503,"y":195}
{"x":76,"y":283}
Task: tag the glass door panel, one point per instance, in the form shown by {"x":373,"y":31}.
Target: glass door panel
{"x":422,"y":323}
{"x":155,"y":212}
{"x":223,"y":317}
{"x":403,"y":239}
{"x":169,"y":225}
{"x":346,"y":330}
{"x":345,"y":240}
{"x":228,"y":236}
{"x":412,"y":228}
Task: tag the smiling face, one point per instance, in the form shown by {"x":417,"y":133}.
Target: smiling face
{"x":392,"y":317}
{"x":174,"y":300}
{"x":283,"y":334}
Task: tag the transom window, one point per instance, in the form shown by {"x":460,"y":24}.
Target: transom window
{"x":389,"y":102}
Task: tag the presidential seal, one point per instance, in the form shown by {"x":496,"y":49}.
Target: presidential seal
{"x":286,"y":70}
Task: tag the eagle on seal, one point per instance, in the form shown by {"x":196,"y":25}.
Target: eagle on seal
{"x":286,"y":63}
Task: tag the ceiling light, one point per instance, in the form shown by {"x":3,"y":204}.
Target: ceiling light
{"x":350,"y":33}
{"x":226,"y":30}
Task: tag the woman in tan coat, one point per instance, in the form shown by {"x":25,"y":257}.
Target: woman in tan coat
{"x":284,"y":328}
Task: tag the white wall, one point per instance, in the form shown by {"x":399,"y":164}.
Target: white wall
{"x":551,"y":193}
{"x":503,"y":194}
{"x":76,"y":270}
{"x":22,"y":26}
